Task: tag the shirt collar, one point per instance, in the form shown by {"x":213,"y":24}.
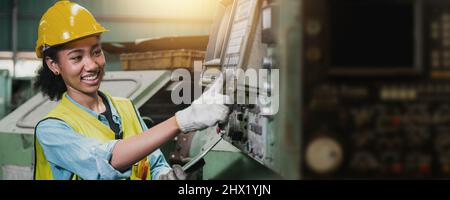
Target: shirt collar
{"x":114,"y":112}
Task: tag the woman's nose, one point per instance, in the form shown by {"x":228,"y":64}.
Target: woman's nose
{"x":90,"y":64}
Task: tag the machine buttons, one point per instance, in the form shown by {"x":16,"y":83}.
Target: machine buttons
{"x":313,"y":27}
{"x":324,"y":155}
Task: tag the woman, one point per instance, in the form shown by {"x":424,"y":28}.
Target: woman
{"x":89,"y":134}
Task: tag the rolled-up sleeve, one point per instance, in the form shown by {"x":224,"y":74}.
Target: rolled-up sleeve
{"x":68,"y":151}
{"x":158,"y":163}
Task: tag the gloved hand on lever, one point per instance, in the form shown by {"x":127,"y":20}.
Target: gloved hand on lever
{"x":176,"y":173}
{"x":208,"y":110}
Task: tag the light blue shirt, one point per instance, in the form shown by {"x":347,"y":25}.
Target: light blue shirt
{"x":70,"y":152}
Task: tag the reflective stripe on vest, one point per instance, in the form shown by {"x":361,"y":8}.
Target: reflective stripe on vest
{"x":84,"y":123}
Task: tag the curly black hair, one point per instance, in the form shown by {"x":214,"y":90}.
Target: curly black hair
{"x":47,"y":82}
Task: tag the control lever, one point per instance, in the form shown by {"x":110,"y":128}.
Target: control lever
{"x":198,"y":161}
{"x":221,"y":128}
{"x":230,"y":81}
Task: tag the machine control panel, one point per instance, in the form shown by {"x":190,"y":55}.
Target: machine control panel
{"x":245,"y":52}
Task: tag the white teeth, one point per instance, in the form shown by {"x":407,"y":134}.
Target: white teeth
{"x":90,"y":77}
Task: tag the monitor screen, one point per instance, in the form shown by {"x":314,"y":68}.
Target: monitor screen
{"x":372,"y":33}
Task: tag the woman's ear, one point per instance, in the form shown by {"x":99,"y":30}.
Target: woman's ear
{"x":52,"y":65}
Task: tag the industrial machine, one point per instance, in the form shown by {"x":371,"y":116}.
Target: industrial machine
{"x":375,"y":87}
{"x":249,"y":124}
{"x":242,"y":47}
{"x":363,"y":86}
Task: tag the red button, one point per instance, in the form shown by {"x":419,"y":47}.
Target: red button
{"x":424,"y":168}
{"x":397,"y":168}
{"x":218,"y":130}
{"x":396,"y":121}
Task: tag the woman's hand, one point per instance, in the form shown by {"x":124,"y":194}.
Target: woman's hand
{"x":176,"y":173}
{"x":205,"y":111}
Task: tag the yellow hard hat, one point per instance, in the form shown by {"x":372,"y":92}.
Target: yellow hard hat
{"x":63,"y":22}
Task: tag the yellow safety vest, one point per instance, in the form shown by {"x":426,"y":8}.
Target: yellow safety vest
{"x":86,"y":124}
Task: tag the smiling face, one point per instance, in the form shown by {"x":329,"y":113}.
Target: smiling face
{"x":81,"y":65}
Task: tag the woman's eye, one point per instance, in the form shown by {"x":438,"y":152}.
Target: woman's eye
{"x":76,"y":58}
{"x":98,"y":52}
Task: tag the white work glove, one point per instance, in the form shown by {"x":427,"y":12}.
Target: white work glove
{"x":205,"y":111}
{"x":176,"y":173}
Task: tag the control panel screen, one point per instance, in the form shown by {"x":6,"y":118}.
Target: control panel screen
{"x":375,"y":33}
{"x":240,"y":28}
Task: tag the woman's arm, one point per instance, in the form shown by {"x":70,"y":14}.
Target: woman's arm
{"x":129,"y":151}
{"x":205,"y":111}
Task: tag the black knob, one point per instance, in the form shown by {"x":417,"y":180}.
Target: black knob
{"x":240,"y":116}
{"x":236,"y":135}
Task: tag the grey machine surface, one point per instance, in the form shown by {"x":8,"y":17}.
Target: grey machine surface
{"x":5,"y":92}
{"x":17,"y":128}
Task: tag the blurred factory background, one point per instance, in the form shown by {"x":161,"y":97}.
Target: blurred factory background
{"x":363,"y":91}
{"x":128,"y":21}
